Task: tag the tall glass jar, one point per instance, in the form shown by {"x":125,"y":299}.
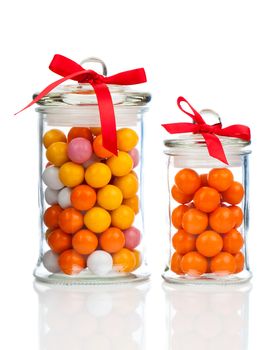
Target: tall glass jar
{"x":208,"y":211}
{"x":91,"y":218}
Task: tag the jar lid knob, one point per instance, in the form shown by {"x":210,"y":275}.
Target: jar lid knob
{"x":210,"y":117}
{"x":96,"y":60}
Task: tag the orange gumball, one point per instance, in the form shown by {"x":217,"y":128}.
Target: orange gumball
{"x":220,"y":179}
{"x":194,"y":264}
{"x":51,"y":216}
{"x":240,"y":262}
{"x":112,"y":240}
{"x":59,"y":241}
{"x":209,"y":243}
{"x":194,"y":221}
{"x":83,"y":197}
{"x":204,"y":181}
{"x":232,"y":241}
{"x":188,"y":181}
{"x":79,"y":132}
{"x":70,"y":220}
{"x":206,"y":199}
{"x":221,"y":220}
{"x":177,"y":215}
{"x":84,"y":242}
{"x":175,"y":263}
{"x":179,"y":196}
{"x":99,"y":149}
{"x":238,"y":215}
{"x":96,"y":131}
{"x":223,"y":264}
{"x":71,"y":262}
{"x":124,"y":260}
{"x":183,"y":242}
{"x":234,"y":194}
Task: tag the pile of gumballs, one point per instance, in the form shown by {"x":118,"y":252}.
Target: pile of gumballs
{"x":208,"y":221}
{"x":93,"y":201}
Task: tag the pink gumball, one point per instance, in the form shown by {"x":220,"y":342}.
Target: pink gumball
{"x":79,"y":150}
{"x":132,"y":238}
{"x":135,"y":156}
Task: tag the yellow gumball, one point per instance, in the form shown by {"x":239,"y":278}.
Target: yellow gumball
{"x":98,"y":175}
{"x":124,"y":260}
{"x":138,"y":258}
{"x":52,"y":136}
{"x":109,"y":197}
{"x":122,"y":217}
{"x":120,"y":165}
{"x":127,"y":139}
{"x":96,"y":131}
{"x":71,"y":174}
{"x":128,"y":185}
{"x":133,"y":203}
{"x":97,"y":220}
{"x":57,"y":153}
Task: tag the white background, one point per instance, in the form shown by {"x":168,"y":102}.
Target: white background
{"x":214,"y":53}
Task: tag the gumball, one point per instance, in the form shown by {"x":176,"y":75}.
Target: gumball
{"x":97,"y":220}
{"x":183,"y":242}
{"x":70,"y":220}
{"x":194,"y":264}
{"x":51,"y":178}
{"x":124,"y":260}
{"x":221,"y":220}
{"x":232,"y":241}
{"x":122,"y":217}
{"x":92,"y":160}
{"x":51,"y":196}
{"x":239,"y":261}
{"x":194,"y":221}
{"x":135,"y":156}
{"x":50,"y":261}
{"x":177,"y":215}
{"x":188,"y":181}
{"x":83,"y":197}
{"x":234,"y":194}
{"x":204,"y":181}
{"x":100,"y":263}
{"x":220,"y":179}
{"x":128,"y":185}
{"x":109,"y":197}
{"x":52,"y":136}
{"x":51,"y":216}
{"x":79,"y":150}
{"x":84,"y":242}
{"x":71,"y":174}
{"x":64,"y":198}
{"x":237,"y":214}
{"x":206,"y":199}
{"x":99,"y":149}
{"x":223,"y":264}
{"x":59,"y":241}
{"x":57,"y":153}
{"x":132,"y":202}
{"x":112,"y":240}
{"x":71,"y":262}
{"x":127,"y":139}
{"x":138,"y":258}
{"x":79,"y":132}
{"x":121,"y":164}
{"x":98,"y":175}
{"x":175,"y":263}
{"x":96,"y":130}
{"x":179,"y":196}
{"x":132,"y":238}
{"x":209,"y":243}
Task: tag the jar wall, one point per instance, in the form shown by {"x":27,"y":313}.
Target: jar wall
{"x":90,"y":207}
{"x":208,"y":227}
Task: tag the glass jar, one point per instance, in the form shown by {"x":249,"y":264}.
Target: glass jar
{"x":91,"y":212}
{"x":208,"y":211}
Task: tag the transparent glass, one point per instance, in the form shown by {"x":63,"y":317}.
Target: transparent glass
{"x":208,"y":212}
{"x":91,"y":210}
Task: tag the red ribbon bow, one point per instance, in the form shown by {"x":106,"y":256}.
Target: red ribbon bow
{"x":209,"y":132}
{"x":69,"y":69}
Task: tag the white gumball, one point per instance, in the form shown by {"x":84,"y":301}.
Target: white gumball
{"x":64,"y":198}
{"x":51,"y":178}
{"x":51,"y":196}
{"x":50,"y":261}
{"x":100,"y":263}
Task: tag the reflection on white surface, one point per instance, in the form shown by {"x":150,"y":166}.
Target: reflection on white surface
{"x":207,"y":317}
{"x":91,"y":317}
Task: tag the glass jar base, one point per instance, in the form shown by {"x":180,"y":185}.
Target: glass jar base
{"x":213,"y":279}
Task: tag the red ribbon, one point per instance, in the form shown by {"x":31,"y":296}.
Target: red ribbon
{"x":209,"y":132}
{"x":69,"y":69}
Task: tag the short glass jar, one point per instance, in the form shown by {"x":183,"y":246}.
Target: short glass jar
{"x":91,"y":218}
{"x":208,"y":211}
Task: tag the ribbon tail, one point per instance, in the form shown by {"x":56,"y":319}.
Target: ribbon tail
{"x":107,"y":117}
{"x":130,"y":77}
{"x":179,"y":128}
{"x":215,"y":148}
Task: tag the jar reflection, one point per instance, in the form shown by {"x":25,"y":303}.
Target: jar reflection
{"x":207,"y":317}
{"x":93,"y":317}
